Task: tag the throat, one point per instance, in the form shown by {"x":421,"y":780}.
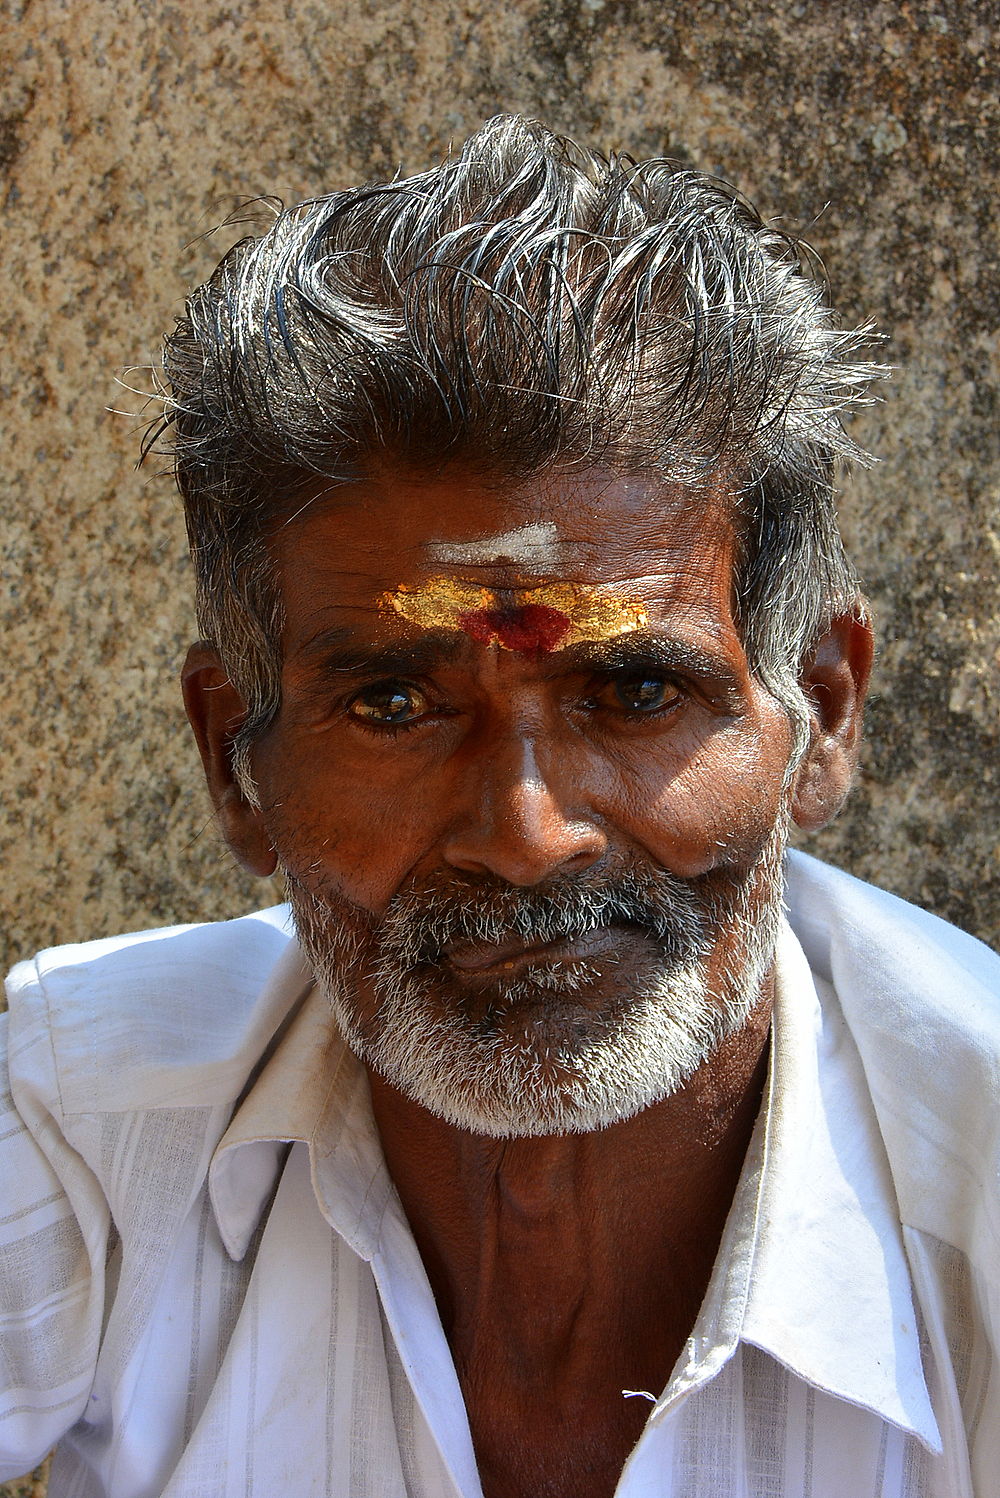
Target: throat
{"x":568,"y":1269}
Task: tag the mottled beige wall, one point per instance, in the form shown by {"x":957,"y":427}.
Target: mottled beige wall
{"x":130,"y":128}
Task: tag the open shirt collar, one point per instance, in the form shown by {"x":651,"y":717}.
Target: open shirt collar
{"x":811,"y":1268}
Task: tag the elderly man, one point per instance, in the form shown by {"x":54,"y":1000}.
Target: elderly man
{"x":547,"y":1160}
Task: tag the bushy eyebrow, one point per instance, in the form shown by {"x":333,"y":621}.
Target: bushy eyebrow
{"x":648,"y":650}
{"x":340,"y":650}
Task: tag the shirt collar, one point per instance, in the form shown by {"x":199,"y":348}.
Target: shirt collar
{"x":811,"y":1269}
{"x":312,"y":1090}
{"x":829,"y":1291}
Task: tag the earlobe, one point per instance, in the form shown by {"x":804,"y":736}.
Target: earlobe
{"x":835,"y":680}
{"x":215,"y":710}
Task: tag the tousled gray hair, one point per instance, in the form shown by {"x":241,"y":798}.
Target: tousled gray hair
{"x":524,"y":304}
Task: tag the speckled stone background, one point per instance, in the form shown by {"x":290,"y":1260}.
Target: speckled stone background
{"x":129,"y":129}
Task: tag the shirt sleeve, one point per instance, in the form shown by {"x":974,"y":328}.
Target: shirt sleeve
{"x":53,"y":1243}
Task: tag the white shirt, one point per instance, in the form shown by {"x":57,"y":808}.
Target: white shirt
{"x":264,"y":1325}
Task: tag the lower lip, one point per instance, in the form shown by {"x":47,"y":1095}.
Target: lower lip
{"x":480,"y":962}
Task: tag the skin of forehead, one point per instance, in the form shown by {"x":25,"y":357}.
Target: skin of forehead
{"x":540,"y":545}
{"x":522,"y":610}
{"x":536,"y":618}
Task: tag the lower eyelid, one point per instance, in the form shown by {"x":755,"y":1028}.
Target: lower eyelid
{"x":669,"y":704}
{"x":389,"y":730}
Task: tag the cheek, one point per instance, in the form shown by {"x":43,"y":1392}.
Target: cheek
{"x":716,"y":807}
{"x":339,"y":834}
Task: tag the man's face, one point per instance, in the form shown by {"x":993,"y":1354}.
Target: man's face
{"x":527,"y":793}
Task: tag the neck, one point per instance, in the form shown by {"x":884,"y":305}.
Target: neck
{"x":584,"y":1257}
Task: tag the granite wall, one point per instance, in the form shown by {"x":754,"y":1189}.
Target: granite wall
{"x":128,"y":130}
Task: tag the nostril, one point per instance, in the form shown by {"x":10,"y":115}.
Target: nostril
{"x":581,"y":861}
{"x":523,"y":853}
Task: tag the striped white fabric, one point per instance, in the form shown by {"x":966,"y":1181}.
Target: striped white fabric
{"x":259,"y":1322}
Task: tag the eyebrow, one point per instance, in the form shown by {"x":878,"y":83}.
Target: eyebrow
{"x":339,"y":650}
{"x":645,"y":649}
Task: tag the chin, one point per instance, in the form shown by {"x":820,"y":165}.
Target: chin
{"x":555,"y":1047}
{"x":545,"y":1054}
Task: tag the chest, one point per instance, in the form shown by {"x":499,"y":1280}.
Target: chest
{"x":309,"y":1370}
{"x":536,"y":1448}
{"x":554,"y":1410}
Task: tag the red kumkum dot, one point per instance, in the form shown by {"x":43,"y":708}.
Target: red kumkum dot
{"x":532,"y":629}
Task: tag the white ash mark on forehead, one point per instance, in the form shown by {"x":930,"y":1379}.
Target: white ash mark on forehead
{"x":536,"y":545}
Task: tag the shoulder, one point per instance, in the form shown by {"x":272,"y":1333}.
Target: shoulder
{"x":926,"y":988}
{"x":922,"y":1002}
{"x":837,"y":916}
{"x":162,"y":1018}
{"x":125,"y":1056}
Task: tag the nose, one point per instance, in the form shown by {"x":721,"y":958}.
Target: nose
{"x":513,"y":823}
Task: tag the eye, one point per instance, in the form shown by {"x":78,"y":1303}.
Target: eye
{"x":389,"y":704}
{"x":640,"y":694}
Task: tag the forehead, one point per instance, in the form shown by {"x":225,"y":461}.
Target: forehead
{"x":585,"y":526}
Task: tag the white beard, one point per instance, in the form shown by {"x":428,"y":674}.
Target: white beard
{"x":505,"y":1075}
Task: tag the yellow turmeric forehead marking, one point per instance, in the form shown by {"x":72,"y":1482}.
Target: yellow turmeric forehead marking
{"x":529,"y":620}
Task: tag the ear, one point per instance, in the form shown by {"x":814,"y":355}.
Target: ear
{"x":215,"y":710}
{"x":835,"y":679}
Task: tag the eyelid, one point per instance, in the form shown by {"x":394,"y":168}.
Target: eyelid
{"x":616,"y":674}
{"x":720,"y":699}
{"x":694,"y":670}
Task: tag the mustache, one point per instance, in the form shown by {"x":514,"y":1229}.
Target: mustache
{"x":423,"y":923}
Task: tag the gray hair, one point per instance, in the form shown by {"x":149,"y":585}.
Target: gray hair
{"x":526,"y":303}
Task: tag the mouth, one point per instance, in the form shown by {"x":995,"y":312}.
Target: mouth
{"x":509,"y":958}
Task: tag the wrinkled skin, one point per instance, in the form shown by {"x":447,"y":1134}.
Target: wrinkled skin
{"x":565,"y":1268}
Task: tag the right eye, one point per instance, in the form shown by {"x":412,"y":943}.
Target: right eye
{"x":389,"y":704}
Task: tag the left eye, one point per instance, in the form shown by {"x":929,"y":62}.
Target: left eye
{"x":389,"y":704}
{"x":641,"y":694}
